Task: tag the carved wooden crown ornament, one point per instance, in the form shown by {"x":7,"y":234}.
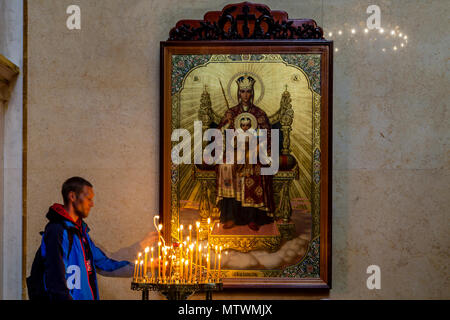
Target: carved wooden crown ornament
{"x":246,"y":21}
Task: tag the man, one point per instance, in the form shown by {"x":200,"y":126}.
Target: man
{"x":70,"y":256}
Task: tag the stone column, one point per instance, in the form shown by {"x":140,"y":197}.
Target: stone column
{"x":11,"y":136}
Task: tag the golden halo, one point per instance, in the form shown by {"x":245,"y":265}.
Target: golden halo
{"x":237,"y":120}
{"x":258,"y":87}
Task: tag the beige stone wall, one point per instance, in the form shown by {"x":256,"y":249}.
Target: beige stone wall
{"x":94,"y":110}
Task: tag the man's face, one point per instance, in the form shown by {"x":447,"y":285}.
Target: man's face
{"x":84,"y":202}
{"x":245,"y":95}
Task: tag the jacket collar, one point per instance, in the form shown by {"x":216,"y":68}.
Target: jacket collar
{"x":57,"y":212}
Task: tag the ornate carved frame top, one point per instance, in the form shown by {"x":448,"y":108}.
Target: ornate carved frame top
{"x":245,"y":21}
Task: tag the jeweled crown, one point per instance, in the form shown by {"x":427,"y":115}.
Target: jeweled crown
{"x":245,"y":82}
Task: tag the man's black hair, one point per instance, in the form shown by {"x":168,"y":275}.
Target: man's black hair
{"x":75,"y":184}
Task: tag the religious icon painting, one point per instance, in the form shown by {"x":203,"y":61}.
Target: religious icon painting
{"x":246,"y":144}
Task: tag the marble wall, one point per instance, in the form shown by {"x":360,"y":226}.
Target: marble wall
{"x":93,"y":110}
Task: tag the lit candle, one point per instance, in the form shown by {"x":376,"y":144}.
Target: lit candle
{"x":186,"y":274}
{"x":207,"y":268}
{"x":157,"y":227}
{"x":140,"y":267}
{"x":209,"y":221}
{"x":219,"y":268}
{"x":181,"y":269}
{"x":139,"y":263}
{"x":200,"y":263}
{"x":209,"y":260}
{"x":151,"y":266}
{"x":159,"y":260}
{"x":165,"y":268}
{"x":181,"y":233}
{"x":192,"y":255}
{"x":220,"y":254}
{"x":145,"y":261}
{"x":197,"y":224}
{"x":186,"y":264}
{"x":135,"y":269}
{"x":215,"y":259}
{"x":181,"y":251}
{"x":198,"y":229}
{"x":160,"y":237}
{"x":164,"y":262}
{"x":171,"y":267}
{"x":190,"y":232}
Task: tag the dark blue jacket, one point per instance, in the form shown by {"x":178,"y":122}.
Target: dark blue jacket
{"x":71,"y":275}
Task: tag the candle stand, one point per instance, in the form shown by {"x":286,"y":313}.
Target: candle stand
{"x":180,"y":268}
{"x":181,"y":291}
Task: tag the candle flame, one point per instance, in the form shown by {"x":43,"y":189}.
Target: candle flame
{"x":160,"y":227}
{"x":190,"y":227}
{"x":159,"y":243}
{"x":142,"y":262}
{"x":181,"y":227}
{"x":135,"y":262}
{"x":197,"y":224}
{"x":209,"y":220}
{"x":152,"y":249}
{"x":147,"y":250}
{"x":139,"y":254}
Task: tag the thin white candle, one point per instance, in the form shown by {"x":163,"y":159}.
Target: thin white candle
{"x":145,"y":261}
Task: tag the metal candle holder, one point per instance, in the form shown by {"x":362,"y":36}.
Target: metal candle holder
{"x":183,"y":277}
{"x":177,"y":291}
